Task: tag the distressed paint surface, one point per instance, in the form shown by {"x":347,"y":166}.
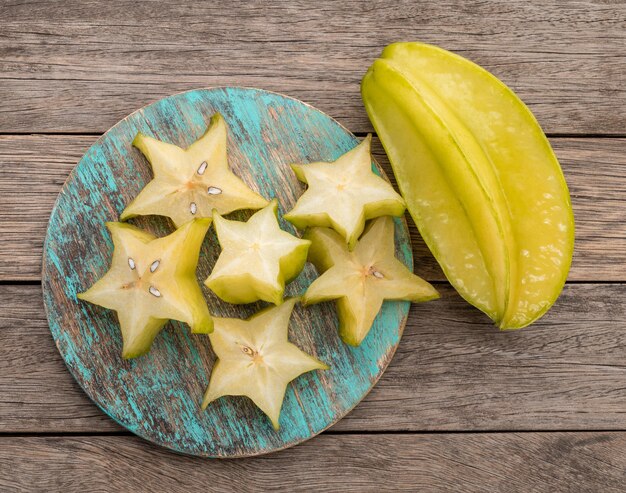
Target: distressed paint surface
{"x":158,"y":396}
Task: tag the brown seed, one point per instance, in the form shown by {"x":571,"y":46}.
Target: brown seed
{"x":248,"y":350}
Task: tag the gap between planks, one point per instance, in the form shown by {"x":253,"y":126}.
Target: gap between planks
{"x":357,"y":134}
{"x":391,"y":432}
{"x":477,"y":462}
{"x":437,"y":282}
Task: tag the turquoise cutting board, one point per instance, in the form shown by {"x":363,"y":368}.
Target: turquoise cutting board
{"x":158,"y":396}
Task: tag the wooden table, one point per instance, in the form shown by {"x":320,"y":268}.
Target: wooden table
{"x":462,"y":407}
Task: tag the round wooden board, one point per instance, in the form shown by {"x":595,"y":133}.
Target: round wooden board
{"x":158,"y":396}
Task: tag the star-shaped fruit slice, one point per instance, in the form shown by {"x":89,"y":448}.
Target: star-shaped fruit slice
{"x":190,"y":183}
{"x":344,"y":194}
{"x":257,"y":258}
{"x":362,"y":279}
{"x":256,"y":360}
{"x":153,"y":280}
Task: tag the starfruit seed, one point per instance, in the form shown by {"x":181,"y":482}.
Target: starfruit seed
{"x":214,"y":191}
{"x":193,"y":208}
{"x":131,"y":263}
{"x":248,"y":350}
{"x":202,"y":168}
{"x":154,"y":265}
{"x":154,"y":291}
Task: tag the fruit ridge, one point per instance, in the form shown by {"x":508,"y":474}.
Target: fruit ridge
{"x":421,"y":98}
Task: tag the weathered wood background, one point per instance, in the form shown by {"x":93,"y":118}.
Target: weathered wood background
{"x":461,"y":407}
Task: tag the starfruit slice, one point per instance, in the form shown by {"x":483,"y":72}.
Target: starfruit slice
{"x":153,"y":280}
{"x":257,"y":258}
{"x":479,"y":176}
{"x":362,"y":279}
{"x":344,"y":194}
{"x":256,"y":360}
{"x":190,"y":183}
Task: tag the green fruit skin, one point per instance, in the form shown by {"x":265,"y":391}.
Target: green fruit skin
{"x":423,"y":101}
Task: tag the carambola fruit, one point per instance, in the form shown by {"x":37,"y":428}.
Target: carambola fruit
{"x":257,"y":258}
{"x":479,"y":177}
{"x":255,"y":359}
{"x":344,"y":194}
{"x":153,"y":280}
{"x":362,"y":279}
{"x":190,"y":183}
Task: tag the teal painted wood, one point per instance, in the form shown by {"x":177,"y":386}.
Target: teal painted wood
{"x":158,"y":396}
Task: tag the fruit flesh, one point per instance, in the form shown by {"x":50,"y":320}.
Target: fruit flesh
{"x":152,"y":280}
{"x":344,"y":194}
{"x":362,"y":279}
{"x":256,"y":360}
{"x":190,"y":183}
{"x":257,"y":258}
{"x":511,"y":159}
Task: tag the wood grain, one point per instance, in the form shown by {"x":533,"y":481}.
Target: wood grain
{"x":453,"y":370}
{"x":81,"y":66}
{"x":594,"y":169}
{"x":507,"y":463}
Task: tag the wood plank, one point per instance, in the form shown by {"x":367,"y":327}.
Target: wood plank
{"x":82,"y":66}
{"x":594,"y":169}
{"x":526,"y":462}
{"x":453,"y":370}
